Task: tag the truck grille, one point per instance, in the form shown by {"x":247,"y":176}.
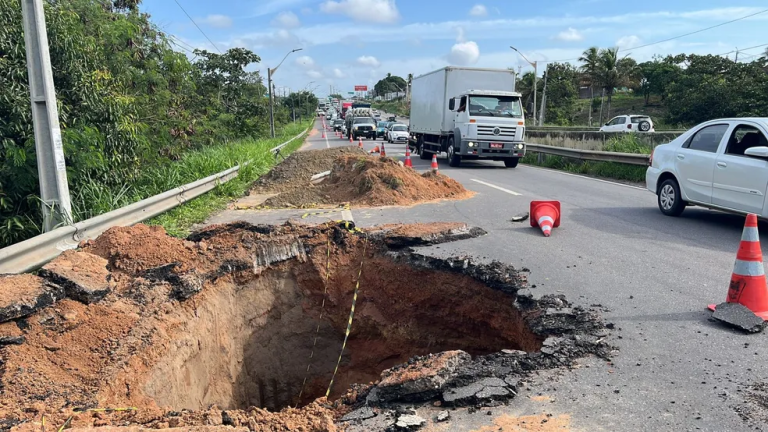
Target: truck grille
{"x":503,"y":131}
{"x":364,"y":128}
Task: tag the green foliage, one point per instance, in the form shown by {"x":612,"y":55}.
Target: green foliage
{"x":612,"y":170}
{"x":657,"y":76}
{"x":627,"y":143}
{"x":712,"y":87}
{"x":304,"y":103}
{"x":397,"y":107}
{"x":128,"y":104}
{"x":389,"y":84}
{"x":561,"y":93}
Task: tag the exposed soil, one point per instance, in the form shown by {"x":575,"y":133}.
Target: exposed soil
{"x":356,"y":178}
{"x":222,"y":329}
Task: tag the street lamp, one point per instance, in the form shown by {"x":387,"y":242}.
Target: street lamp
{"x":535,"y":73}
{"x":271,"y":72}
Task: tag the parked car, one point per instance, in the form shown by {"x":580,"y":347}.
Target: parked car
{"x":629,"y":123}
{"x":397,"y":133}
{"x":337,"y":124}
{"x":720,"y":164}
{"x":381,"y":129}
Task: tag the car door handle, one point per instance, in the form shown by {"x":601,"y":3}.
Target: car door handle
{"x":681,"y":156}
{"x":722,"y":164}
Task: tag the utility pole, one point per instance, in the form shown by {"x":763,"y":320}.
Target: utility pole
{"x":51,"y":167}
{"x":737,"y":55}
{"x":543,"y":98}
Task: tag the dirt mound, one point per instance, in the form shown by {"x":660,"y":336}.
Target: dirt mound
{"x":261,"y":328}
{"x":369,"y":181}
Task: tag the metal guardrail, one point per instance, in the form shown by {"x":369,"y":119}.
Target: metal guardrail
{"x":581,"y":129}
{"x":35,"y":252}
{"x":625,"y":158}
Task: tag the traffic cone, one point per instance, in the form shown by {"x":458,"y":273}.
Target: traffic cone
{"x":383,"y":151}
{"x":408,"y":156}
{"x":374,"y":150}
{"x":350,"y":138}
{"x":545,"y":215}
{"x":323,"y":133}
{"x":748,"y":286}
{"x":360,"y":142}
{"x":434,"y":162}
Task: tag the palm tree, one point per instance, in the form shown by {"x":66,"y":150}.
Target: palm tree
{"x":615,"y":72}
{"x":590,"y":60}
{"x":525,"y":87}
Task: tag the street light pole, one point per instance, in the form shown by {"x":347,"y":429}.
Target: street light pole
{"x":535,"y":78}
{"x":271,"y":72}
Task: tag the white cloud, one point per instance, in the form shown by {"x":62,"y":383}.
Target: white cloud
{"x":280,"y":38}
{"x":368,"y":61}
{"x":464,"y":53}
{"x":268,"y":7}
{"x":338,"y":73}
{"x":314,"y":74}
{"x":217,"y":21}
{"x":628,"y":42}
{"x":478,"y":10}
{"x":368,"y":11}
{"x":286,"y":20}
{"x":570,"y":35}
{"x":306,"y":61}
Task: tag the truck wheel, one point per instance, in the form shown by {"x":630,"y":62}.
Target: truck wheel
{"x":374,"y":137}
{"x":454,"y":160}
{"x":511,"y":163}
{"x":423,"y":155}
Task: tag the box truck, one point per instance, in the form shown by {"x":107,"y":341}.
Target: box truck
{"x":467,"y":113}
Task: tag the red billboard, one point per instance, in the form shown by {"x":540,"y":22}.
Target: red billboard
{"x":361,"y":88}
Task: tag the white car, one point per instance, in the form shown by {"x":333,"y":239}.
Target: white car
{"x":629,"y":123}
{"x":397,"y":133}
{"x":720,"y":164}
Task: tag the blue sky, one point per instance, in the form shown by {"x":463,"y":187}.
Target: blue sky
{"x":349,"y":42}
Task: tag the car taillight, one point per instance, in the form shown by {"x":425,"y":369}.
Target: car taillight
{"x":629,"y":126}
{"x":650,"y":159}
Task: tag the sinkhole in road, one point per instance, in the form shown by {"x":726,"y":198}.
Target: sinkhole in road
{"x":252,"y":336}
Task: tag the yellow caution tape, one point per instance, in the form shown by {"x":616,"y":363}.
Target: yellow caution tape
{"x":344,"y":207}
{"x":351,"y":317}
{"x":42,"y":420}
{"x":66,"y":424}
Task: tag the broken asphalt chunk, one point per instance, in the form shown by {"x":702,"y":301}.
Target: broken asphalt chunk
{"x":422,"y":378}
{"x":409,"y":422}
{"x":739,"y":316}
{"x":22,"y":295}
{"x":83,"y":276}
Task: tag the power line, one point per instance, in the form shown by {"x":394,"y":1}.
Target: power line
{"x":177,"y":41}
{"x":198,"y":27}
{"x":678,"y":37}
{"x":743,"y":49}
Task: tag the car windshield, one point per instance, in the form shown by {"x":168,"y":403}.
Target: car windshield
{"x":399,"y":128}
{"x":363,"y":120}
{"x":495,"y":106}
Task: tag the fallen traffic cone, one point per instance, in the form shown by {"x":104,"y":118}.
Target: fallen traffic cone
{"x":545,"y":215}
{"x":375,"y":150}
{"x":748,"y":285}
{"x":383,"y":151}
{"x":408,"y":156}
{"x":434,"y":162}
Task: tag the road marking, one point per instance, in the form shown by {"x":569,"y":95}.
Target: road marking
{"x":496,"y":187}
{"x":327,"y":144}
{"x":587,"y":177}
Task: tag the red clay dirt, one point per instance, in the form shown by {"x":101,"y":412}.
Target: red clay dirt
{"x":244,"y":340}
{"x":356,"y":178}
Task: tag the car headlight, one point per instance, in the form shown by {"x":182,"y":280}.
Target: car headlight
{"x":471,"y":144}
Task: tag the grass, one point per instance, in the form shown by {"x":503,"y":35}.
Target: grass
{"x":397,"y":107}
{"x":625,"y":143}
{"x":193,"y":166}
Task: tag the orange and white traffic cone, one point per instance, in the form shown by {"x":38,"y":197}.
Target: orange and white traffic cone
{"x":434,"y":162}
{"x":350,"y":138}
{"x":374,"y":150}
{"x":545,"y":215}
{"x":383,"y":151}
{"x":748,"y":285}
{"x":323,"y":133}
{"x":360,"y":142}
{"x":408,"y":156}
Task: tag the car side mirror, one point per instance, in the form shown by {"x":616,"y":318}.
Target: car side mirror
{"x":452,"y":104}
{"x":760,"y":152}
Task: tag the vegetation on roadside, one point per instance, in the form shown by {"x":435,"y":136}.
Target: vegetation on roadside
{"x":212,"y":160}
{"x":130,"y":102}
{"x":397,"y":107}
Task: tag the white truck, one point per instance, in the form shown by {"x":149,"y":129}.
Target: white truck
{"x":468,"y":113}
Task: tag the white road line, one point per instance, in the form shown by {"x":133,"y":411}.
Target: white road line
{"x":496,"y":187}
{"x":327,"y":144}
{"x":587,"y":177}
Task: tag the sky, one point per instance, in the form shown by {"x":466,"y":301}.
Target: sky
{"x":357,"y":42}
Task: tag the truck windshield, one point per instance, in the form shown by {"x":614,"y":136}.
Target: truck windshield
{"x":363,"y":120}
{"x":495,"y":106}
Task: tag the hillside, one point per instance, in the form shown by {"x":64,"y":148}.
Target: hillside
{"x":621,"y":104}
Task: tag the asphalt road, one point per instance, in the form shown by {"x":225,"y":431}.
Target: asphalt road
{"x":674,"y":369}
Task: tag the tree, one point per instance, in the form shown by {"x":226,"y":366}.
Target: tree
{"x":525,"y":88}
{"x":657,"y":76}
{"x":562,"y":92}
{"x":614,"y":72}
{"x":590,"y":62}
{"x":389,"y":84}
{"x":337,"y":96}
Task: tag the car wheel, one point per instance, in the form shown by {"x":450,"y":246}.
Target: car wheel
{"x":644,"y":126}
{"x":374,"y":137}
{"x":454,"y":160}
{"x":670,"y":200}
{"x":511,"y":163}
